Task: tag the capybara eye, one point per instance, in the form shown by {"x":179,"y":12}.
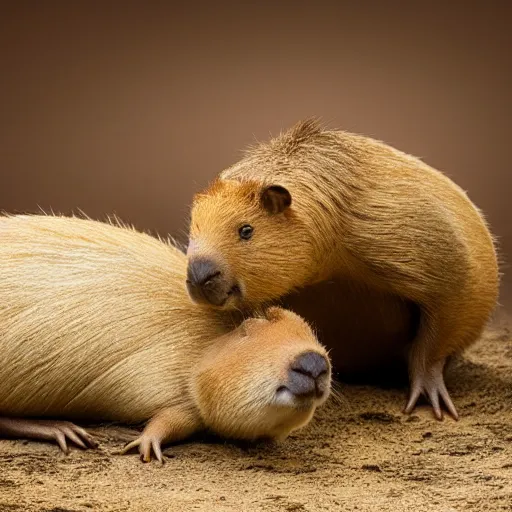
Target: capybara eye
{"x":245,"y":232}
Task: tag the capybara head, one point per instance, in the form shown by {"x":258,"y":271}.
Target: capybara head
{"x":240,"y":233}
{"x":263,"y":380}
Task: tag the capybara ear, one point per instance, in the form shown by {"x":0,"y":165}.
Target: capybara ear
{"x":274,"y":313}
{"x":250,"y":323}
{"x":275,"y":199}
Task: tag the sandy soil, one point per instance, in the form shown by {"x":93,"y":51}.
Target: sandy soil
{"x":361,"y":454}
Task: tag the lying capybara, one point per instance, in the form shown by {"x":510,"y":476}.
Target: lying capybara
{"x":96,"y":324}
{"x":314,"y":205}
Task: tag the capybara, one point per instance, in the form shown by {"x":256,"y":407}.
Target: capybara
{"x":96,"y":324}
{"x":314,"y":205}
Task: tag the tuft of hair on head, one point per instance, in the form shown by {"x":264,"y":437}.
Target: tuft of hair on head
{"x":290,"y":141}
{"x":304,"y":130}
{"x":301,"y":133}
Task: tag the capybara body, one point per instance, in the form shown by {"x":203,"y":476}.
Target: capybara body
{"x":96,"y":324}
{"x":314,"y":205}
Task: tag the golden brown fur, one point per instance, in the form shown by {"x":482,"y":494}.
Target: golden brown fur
{"x":363,"y":212}
{"x":96,"y":323}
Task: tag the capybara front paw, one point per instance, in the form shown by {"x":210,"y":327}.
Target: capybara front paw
{"x":430,"y":383}
{"x":146,"y":445}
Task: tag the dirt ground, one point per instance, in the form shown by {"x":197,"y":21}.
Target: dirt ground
{"x":360,"y":455}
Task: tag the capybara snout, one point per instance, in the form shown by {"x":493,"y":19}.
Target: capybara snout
{"x":207,"y":283}
{"x":277,"y":362}
{"x":308,"y":375}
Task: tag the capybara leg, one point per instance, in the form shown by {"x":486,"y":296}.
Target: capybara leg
{"x":169,"y":425}
{"x":426,"y":365}
{"x":47,"y":430}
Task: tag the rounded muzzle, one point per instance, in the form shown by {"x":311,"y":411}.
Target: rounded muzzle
{"x":309,"y":375}
{"x":206,"y":283}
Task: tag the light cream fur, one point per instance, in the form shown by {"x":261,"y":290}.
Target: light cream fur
{"x":96,"y":323}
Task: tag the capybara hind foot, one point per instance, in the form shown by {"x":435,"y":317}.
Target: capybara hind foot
{"x":430,"y":382}
{"x":47,"y":430}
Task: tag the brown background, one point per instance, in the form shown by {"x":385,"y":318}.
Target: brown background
{"x":114,"y":107}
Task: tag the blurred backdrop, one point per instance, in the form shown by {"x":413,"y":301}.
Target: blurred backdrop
{"x":131,"y":107}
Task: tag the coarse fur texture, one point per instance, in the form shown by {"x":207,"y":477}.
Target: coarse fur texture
{"x":350,"y":208}
{"x":96,"y":324}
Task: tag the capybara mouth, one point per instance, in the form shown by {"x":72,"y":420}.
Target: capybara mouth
{"x":287,"y":398}
{"x":234,"y":292}
{"x":212,"y":290}
{"x":210,"y":294}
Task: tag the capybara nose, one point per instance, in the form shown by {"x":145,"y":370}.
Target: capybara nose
{"x":200,"y":271}
{"x":205,"y":283}
{"x":308,"y":375}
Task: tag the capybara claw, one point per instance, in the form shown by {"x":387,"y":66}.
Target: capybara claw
{"x":130,"y":446}
{"x":431,"y":384}
{"x":48,"y":430}
{"x":146,"y":446}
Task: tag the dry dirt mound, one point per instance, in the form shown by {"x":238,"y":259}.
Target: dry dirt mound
{"x":362,"y":454}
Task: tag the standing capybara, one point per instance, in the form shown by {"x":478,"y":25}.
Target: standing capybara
{"x":313,"y":205}
{"x":96,"y":324}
